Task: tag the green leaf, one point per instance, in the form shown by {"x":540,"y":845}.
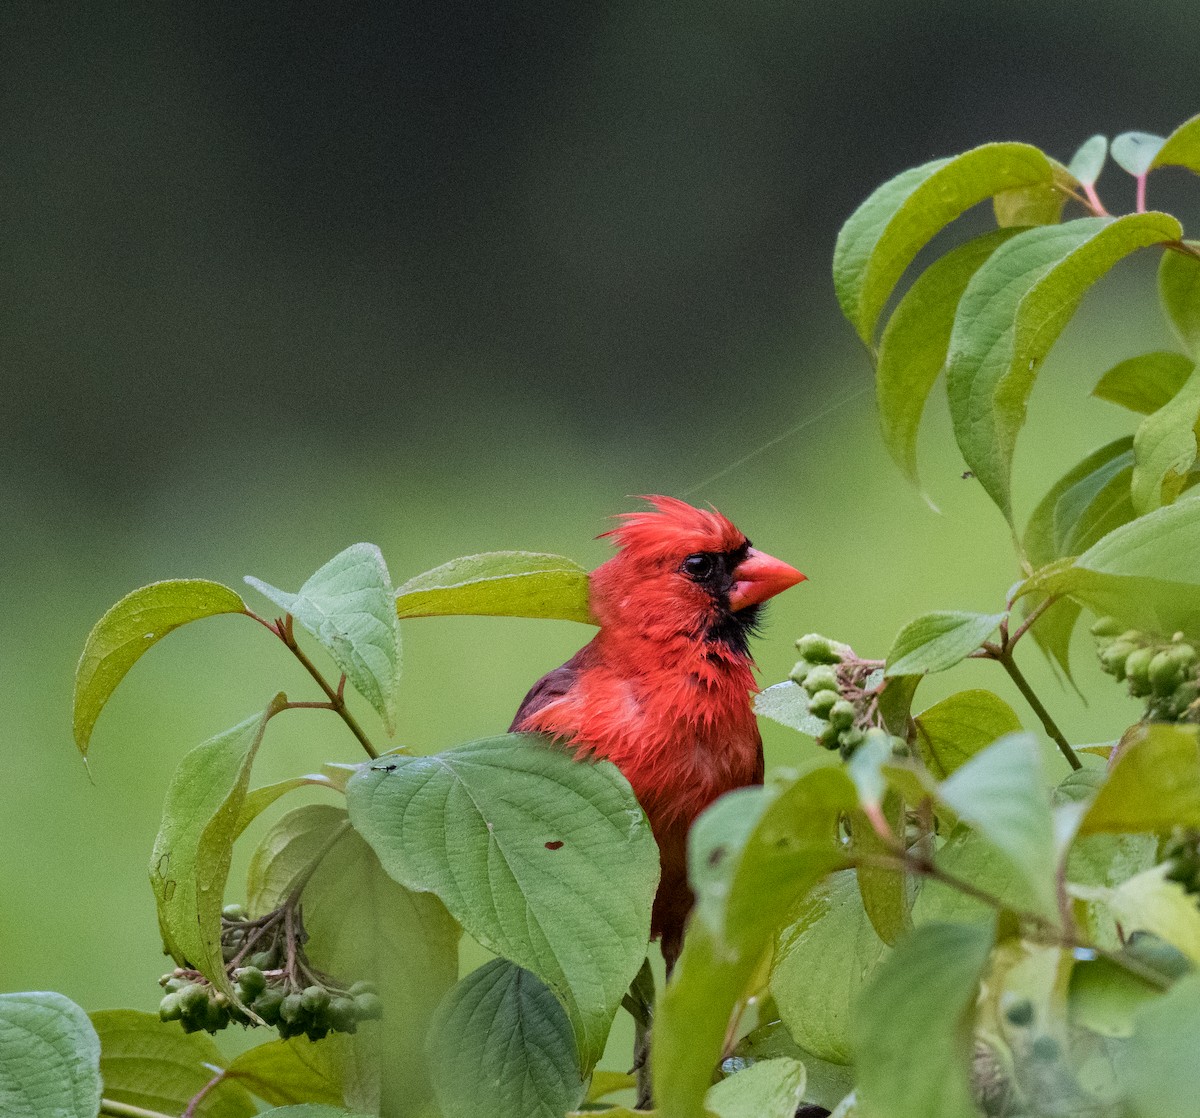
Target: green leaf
{"x":1104,"y":997}
{"x":1148,"y":902}
{"x":501,"y":1036}
{"x":787,"y":704}
{"x":823,"y":960}
{"x":1001,"y":793}
{"x":364,"y":925}
{"x":500,"y":584}
{"x":348,"y":606}
{"x":886,"y":232}
{"x":1179,"y":292}
{"x":157,"y":1067}
{"x":715,"y":842}
{"x":137,"y":621}
{"x":1010,"y":315}
{"x":1087,"y":163}
{"x":1146,"y":382}
{"x":1154,"y":785}
{"x":951,"y":732}
{"x":194,"y":847}
{"x":1164,"y":449}
{"x":1039,"y":204}
{"x":767,"y":1089}
{"x":533,"y":852}
{"x":1135,"y":152}
{"x":259,"y":799}
{"x":913,"y":348}
{"x":931,"y":978}
{"x":298,"y":1070}
{"x":825,"y":1083}
{"x":49,"y":1058}
{"x":311,"y":1110}
{"x":793,"y":845}
{"x":887,"y":893}
{"x":937,"y":641}
{"x":968,"y":856}
{"x":1181,"y":148}
{"x":1160,"y":1073}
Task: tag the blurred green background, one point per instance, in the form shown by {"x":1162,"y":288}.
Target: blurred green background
{"x":461,"y":277}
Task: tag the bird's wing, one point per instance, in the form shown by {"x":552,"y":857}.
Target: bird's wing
{"x":553,"y":685}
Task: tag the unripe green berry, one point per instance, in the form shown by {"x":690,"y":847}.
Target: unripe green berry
{"x":900,"y":748}
{"x":362,"y":987}
{"x":828,"y":738}
{"x":821,"y":703}
{"x":842,"y":714}
{"x":1137,"y":670}
{"x":1112,"y":659}
{"x":1105,"y":627}
{"x":216,"y":1017}
{"x":193,"y":998}
{"x":314,"y":999}
{"x":169,"y":1008}
{"x":267,"y":1005}
{"x":1164,"y":957}
{"x":1165,"y":673}
{"x":821,"y":678}
{"x":368,"y":1007}
{"x":234,"y":912}
{"x":1184,"y":655}
{"x":342,"y":1015}
{"x":252,"y":980}
{"x":174,"y":984}
{"x":263,"y":960}
{"x":818,"y":649}
{"x":799,"y":671}
{"x":291,"y":1008}
{"x":1020,"y":1013}
{"x":1046,"y":1049}
{"x":849,"y":741}
{"x":316,"y":1031}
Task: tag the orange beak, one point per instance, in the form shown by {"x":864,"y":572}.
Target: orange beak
{"x":758,"y":577}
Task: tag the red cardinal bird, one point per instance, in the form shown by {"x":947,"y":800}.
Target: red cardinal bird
{"x":663,"y":691}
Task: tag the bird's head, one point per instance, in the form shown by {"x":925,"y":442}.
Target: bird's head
{"x":683,"y":571}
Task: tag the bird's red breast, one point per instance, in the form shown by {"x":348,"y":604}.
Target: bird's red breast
{"x":664,"y":690}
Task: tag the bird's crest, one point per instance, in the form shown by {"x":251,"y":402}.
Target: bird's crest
{"x":673,"y":528}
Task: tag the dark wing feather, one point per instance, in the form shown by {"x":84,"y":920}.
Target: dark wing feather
{"x":553,"y":685}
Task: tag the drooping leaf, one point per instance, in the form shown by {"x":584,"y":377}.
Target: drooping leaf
{"x":794,"y":844}
{"x":1181,"y":148}
{"x":825,"y":1083}
{"x":1160,"y":1074}
{"x":49,"y":1058}
{"x":501,"y":1035}
{"x":157,"y":1067}
{"x":1010,"y":315}
{"x":937,"y":641}
{"x":285,"y":1072}
{"x":1088,"y":161}
{"x":137,"y":621}
{"x":887,"y":893}
{"x":545,"y":860}
{"x":1001,"y":793}
{"x":1135,"y":151}
{"x":259,"y":799}
{"x":1146,"y":382}
{"x":1179,"y":292}
{"x":931,"y":977}
{"x":500,"y":584}
{"x":913,"y":348}
{"x":194,"y":847}
{"x":1039,"y":204}
{"x":952,"y":731}
{"x":787,"y":704}
{"x":364,"y":925}
{"x":348,"y":606}
{"x":823,"y":960}
{"x":767,"y":1089}
{"x":1164,"y":449}
{"x":886,"y":232}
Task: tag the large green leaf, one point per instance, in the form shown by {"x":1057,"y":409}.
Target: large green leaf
{"x":283,"y":1072}
{"x":545,"y":860}
{"x":1146,"y":382}
{"x":1179,"y":290}
{"x":194,"y":847}
{"x":767,"y":1089}
{"x":348,"y":606}
{"x":913,"y":348}
{"x":1001,"y":793}
{"x":951,"y":732}
{"x":49,"y":1058}
{"x":1164,"y":449}
{"x":922,"y":995}
{"x":500,"y":584}
{"x":1010,"y":315}
{"x":886,"y":232}
{"x":137,"y":621}
{"x":1149,"y":902}
{"x":937,"y":641}
{"x":1181,"y":148}
{"x":825,"y":1083}
{"x":501,"y":1035}
{"x":792,"y":846}
{"x":157,"y":1067}
{"x":364,"y":925}
{"x":823,"y":960}
{"x":787,"y":704}
{"x":1160,"y":1074}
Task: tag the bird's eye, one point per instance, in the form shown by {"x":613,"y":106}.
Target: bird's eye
{"x":698,"y":565}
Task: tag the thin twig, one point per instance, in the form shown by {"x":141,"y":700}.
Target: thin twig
{"x":318,"y":858}
{"x":1010,"y":666}
{"x":128,"y":1110}
{"x":199,"y":1096}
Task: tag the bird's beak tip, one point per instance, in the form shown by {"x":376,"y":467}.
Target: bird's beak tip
{"x":761,"y":576}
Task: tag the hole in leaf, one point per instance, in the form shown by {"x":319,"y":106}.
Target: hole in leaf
{"x":554,"y":845}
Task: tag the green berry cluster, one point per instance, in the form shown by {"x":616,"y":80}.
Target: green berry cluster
{"x":1162,"y":671}
{"x":275,"y":981}
{"x":1182,"y":853}
{"x":835,"y":680}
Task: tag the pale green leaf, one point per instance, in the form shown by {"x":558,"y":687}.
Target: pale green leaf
{"x":1179,"y":292}
{"x":1104,"y":997}
{"x":926,"y":988}
{"x":1039,"y":204}
{"x":715,"y":842}
{"x":259,"y":799}
{"x":49,"y":1058}
{"x":1148,"y":902}
{"x":1159,"y":1072}
{"x":968,"y":856}
{"x":913,"y":348}
{"x":158,"y":1067}
{"x":1181,"y":148}
{"x":298,"y":1070}
{"x":1001,"y":793}
{"x":545,"y":860}
{"x":287,"y":851}
{"x":500,"y":584}
{"x":1088,"y":161}
{"x":825,"y":1083}
{"x":823,"y":960}
{"x":194,"y":847}
{"x":1146,"y":382}
{"x":312,"y":1110}
{"x":348,"y":606}
{"x":937,"y":641}
{"x":1135,"y":151}
{"x":787,"y":704}
{"x":887,"y":893}
{"x":137,"y":621}
{"x":501,"y":1036}
{"x":886,"y":232}
{"x":605,"y":1082}
{"x":951,"y":732}
{"x":1164,"y":449}
{"x":767,"y":1089}
{"x":1010,"y":315}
